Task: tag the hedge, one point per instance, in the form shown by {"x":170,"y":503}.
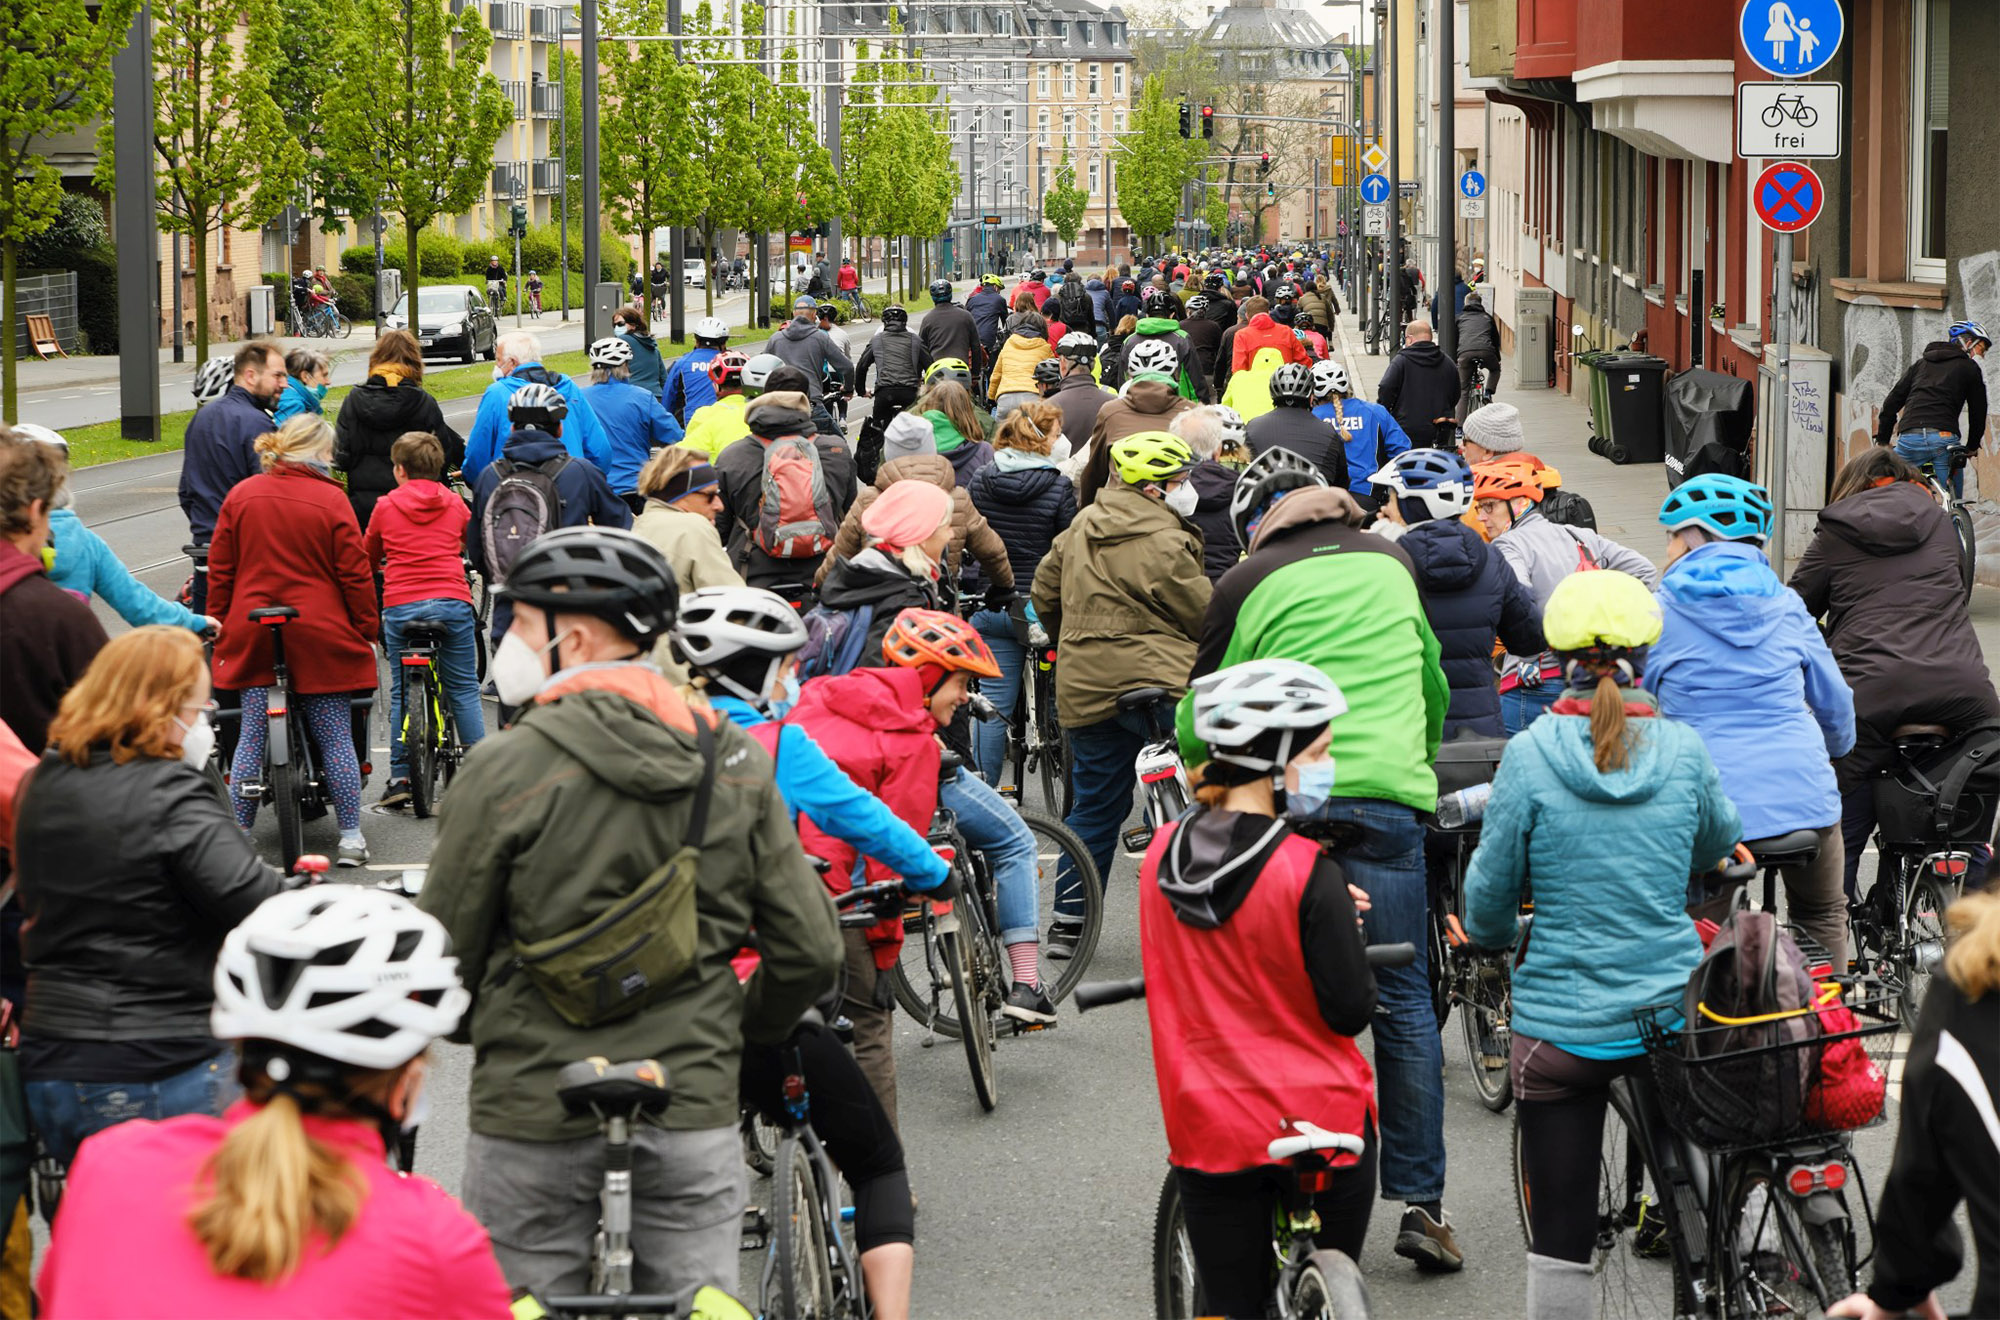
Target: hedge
{"x":442,"y":257}
{"x":96,"y":292}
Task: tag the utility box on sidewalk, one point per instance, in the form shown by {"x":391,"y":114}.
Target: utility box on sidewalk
{"x":1804,"y":429}
{"x":1534,"y":355}
{"x":263,"y":309}
{"x":389,"y":290}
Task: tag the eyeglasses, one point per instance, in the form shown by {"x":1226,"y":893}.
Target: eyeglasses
{"x":201,"y":707}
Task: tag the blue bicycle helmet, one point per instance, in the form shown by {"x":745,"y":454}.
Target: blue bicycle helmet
{"x":1730,"y":507}
{"x":1962,"y":330}
{"x":1438,"y":479}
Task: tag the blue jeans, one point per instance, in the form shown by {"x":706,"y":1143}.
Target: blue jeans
{"x":1921,"y":447}
{"x":64,"y":1113}
{"x":1524,"y":705}
{"x":1388,"y":863}
{"x":1101,"y":766}
{"x":458,"y":662}
{"x":996,"y":830}
{"x":1004,"y":692}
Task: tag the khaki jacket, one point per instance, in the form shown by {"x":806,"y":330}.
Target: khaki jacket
{"x":694,"y":548}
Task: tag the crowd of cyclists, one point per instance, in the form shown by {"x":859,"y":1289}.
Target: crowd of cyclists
{"x":742,"y":661}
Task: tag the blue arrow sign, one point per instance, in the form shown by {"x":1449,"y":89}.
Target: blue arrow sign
{"x":1375,"y":190}
{"x":1791,"y":38}
{"x":1472,"y":183}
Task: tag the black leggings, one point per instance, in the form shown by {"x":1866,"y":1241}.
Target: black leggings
{"x":1229,"y":1226}
{"x":1560,"y":1100}
{"x":849,"y":1121}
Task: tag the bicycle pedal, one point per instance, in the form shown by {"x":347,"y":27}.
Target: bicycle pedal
{"x":756,"y":1229}
{"x":1136,"y":840}
{"x":1010,"y":792}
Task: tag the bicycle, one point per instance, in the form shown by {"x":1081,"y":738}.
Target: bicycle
{"x":430,"y":733}
{"x":1310,"y":1283}
{"x":1035,"y":740}
{"x":1792,"y":107}
{"x":535,"y":303}
{"x":952,"y":953}
{"x":321,"y":320}
{"x":1478,"y":982}
{"x":1162,"y":777}
{"x":1482,"y":389}
{"x":1959,"y":512}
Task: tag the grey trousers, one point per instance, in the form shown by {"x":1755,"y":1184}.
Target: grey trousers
{"x":868,"y":1003}
{"x":538,"y":1200}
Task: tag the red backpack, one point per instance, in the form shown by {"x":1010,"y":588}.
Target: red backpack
{"x":795,"y":516}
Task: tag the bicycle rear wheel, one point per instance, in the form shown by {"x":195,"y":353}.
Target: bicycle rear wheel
{"x":1177,"y":1292}
{"x":1968,"y":544}
{"x":1777,"y":1262}
{"x":971,"y":979}
{"x":1059,"y":856}
{"x":284,"y":786}
{"x":1329,"y":1287}
{"x":796,"y":1277}
{"x":420,"y":742}
{"x":1484,"y":1011}
{"x":1928,"y":900}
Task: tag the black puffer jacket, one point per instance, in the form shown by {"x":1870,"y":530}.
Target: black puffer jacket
{"x":1028,"y":507}
{"x":1311,"y":438}
{"x":374,"y":416}
{"x":1206,"y":336}
{"x":1214,"y":484}
{"x":1471,"y":596}
{"x":130,"y":875}
{"x":873,"y":578}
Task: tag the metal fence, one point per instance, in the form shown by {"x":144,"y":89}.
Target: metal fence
{"x":52,"y":295}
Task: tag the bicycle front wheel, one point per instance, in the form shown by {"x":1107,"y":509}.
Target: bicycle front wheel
{"x":970,"y":981}
{"x":343,"y":326}
{"x":285,"y":787}
{"x":1329,"y":1287}
{"x":1484,"y":1011}
{"x":797,"y":1280}
{"x":1069,"y":899}
{"x":1177,"y":1292}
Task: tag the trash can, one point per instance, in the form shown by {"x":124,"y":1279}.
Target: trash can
{"x":1709,"y":419}
{"x":1598,"y":359}
{"x":1635,"y":409}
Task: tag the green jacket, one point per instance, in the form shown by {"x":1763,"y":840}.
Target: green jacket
{"x":1125,"y":589}
{"x":552,"y":821}
{"x":1317,"y":588}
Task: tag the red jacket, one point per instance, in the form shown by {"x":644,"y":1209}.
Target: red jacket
{"x":1239,"y":1044}
{"x":1263,"y":332}
{"x":847,"y":278}
{"x":288,"y":537}
{"x":123,"y":1245}
{"x":1036,"y":290}
{"x":876,"y":727}
{"x":417,"y":537}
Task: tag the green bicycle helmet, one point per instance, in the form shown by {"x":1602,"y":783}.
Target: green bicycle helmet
{"x":1151,"y":456}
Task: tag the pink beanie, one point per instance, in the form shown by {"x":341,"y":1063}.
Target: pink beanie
{"x":906,"y":514}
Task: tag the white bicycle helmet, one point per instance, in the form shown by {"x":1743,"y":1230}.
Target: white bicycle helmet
{"x":353,"y":974}
{"x":611,"y":351}
{"x":1155,"y":356}
{"x":738,"y":636}
{"x":711,"y":327}
{"x":1260,"y":713}
{"x":211,"y":382}
{"x":758,"y":370}
{"x":1077,"y":345}
{"x":1329,"y":378}
{"x":37,"y":432}
{"x":1233,"y":427}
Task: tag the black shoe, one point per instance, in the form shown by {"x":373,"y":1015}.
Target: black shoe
{"x":395,"y":793}
{"x":1428,"y":1242}
{"x":1065,"y":934}
{"x":1030,"y":1004}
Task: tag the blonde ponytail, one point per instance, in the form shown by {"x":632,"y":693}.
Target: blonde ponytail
{"x":270,"y":1187}
{"x":1607,"y":725}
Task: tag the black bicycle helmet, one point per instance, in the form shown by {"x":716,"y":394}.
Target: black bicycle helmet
{"x":894,"y":315}
{"x":1292,"y":386}
{"x":607,"y":572}
{"x":1048,"y":372}
{"x":1273,"y":473}
{"x":1215,"y":281}
{"x":1160,"y":302}
{"x":941,"y":291}
{"x":536,"y":404}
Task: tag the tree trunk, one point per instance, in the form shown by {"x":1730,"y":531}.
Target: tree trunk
{"x":199,"y":238}
{"x":708,"y":286}
{"x":413,"y":272}
{"x":8,"y":367}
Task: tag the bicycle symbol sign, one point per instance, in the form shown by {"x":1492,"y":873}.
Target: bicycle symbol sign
{"x":1787,"y":197}
{"x":1788,"y":120}
{"x":1791,"y":38}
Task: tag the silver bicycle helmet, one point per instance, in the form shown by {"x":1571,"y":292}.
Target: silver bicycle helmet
{"x":536,"y":402}
{"x":1260,"y":713}
{"x":739,"y":637}
{"x":211,"y":381}
{"x":757,"y":371}
{"x":611,"y":351}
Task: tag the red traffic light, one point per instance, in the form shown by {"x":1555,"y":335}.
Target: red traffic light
{"x":1208,"y":121}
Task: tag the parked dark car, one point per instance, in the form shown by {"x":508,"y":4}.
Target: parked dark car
{"x":453,"y":320}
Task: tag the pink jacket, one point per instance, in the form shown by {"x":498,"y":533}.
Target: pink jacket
{"x":122,"y":1245}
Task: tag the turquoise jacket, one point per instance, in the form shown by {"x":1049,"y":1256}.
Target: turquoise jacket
{"x":86,"y":565}
{"x":1608,"y":857}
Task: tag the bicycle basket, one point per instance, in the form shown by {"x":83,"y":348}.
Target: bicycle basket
{"x":1947,"y":795}
{"x":1765,"y":1087}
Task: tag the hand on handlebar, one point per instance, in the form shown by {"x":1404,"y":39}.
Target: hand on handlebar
{"x":1861,"y":1307}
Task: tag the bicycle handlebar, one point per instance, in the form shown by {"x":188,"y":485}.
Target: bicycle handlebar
{"x":1097,"y":994}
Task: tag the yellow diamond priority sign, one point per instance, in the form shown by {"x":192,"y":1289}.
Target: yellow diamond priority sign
{"x":1374,"y":158}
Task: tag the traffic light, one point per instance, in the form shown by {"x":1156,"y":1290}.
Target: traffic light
{"x":519,"y":216}
{"x":1208,"y":121}
{"x":1270,"y":192}
{"x":1187,"y":123}
{"x":1264,"y":165}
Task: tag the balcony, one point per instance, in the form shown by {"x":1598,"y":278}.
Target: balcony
{"x":517,"y":92}
{"x":508,"y":175}
{"x":548,"y":175}
{"x":508,"y":18}
{"x":1546,"y":39}
{"x":545,"y":23}
{"x":547,"y":100}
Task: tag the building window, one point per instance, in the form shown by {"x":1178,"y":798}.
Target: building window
{"x":1007,"y":125}
{"x":1118,"y":120}
{"x":1042,"y":125}
{"x":1088,"y":31}
{"x":1003,"y":23}
{"x":1042,"y":81}
{"x":1096,"y":78}
{"x":1930,"y":90}
{"x":1093,"y":177}
{"x":1069,"y":81}
{"x":1069,"y":128}
{"x":1096,"y":133}
{"x":954,"y":123}
{"x":1118,"y":80}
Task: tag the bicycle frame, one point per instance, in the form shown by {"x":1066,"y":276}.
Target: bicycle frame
{"x":849,"y":1291}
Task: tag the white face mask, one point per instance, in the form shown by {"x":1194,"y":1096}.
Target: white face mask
{"x":1316,"y":780}
{"x":1059,"y":451}
{"x":197,"y":740}
{"x":517,"y":670}
{"x":1182,"y":499}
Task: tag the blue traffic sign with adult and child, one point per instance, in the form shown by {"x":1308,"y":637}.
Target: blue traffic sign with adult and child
{"x":1791,"y":38}
{"x":1375,"y":189}
{"x":1472,"y":183}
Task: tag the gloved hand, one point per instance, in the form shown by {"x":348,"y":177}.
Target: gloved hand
{"x":1530,"y":675}
{"x":999,"y":598}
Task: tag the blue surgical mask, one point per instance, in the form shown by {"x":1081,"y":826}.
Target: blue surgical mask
{"x":318,"y":391}
{"x":789,"y":686}
{"x":1315,"y":787}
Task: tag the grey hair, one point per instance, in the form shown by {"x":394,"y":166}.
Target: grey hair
{"x":598,"y":375}
{"x":519,"y":346}
{"x":1201,"y":429}
{"x":301,"y":360}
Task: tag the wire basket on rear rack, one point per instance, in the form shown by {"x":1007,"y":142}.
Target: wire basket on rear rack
{"x":1746,"y":1083}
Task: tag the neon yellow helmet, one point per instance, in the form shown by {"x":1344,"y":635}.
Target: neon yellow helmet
{"x":1602,"y":608}
{"x":1151,"y":456}
{"x":955,"y":368}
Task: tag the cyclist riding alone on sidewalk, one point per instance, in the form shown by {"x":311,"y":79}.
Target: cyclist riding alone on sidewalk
{"x":1602,"y":808}
{"x":286,"y":1204}
{"x":634,"y":423}
{"x":1248,"y":934}
{"x":1741,"y":663}
{"x":1920,"y":414}
{"x":596,"y":868}
{"x":414,"y":542}
{"x":1478,"y":346}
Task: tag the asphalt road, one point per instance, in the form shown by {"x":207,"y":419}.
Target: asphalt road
{"x":1044,"y":1207}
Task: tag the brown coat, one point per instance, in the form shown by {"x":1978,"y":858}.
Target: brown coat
{"x":1144,"y":405}
{"x":969,"y":528}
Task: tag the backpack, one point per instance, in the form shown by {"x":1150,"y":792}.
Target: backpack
{"x":795,"y":514}
{"x":1947,"y":796}
{"x":1568,"y":508}
{"x":525,"y":504}
{"x":834,"y":639}
{"x":1748,"y":1081}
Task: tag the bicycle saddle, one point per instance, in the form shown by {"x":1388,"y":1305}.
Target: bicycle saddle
{"x":624,"y":1090}
{"x":278,"y":614}
{"x":1140,"y":698}
{"x":1794,"y":849}
{"x":1902,"y":730}
{"x":1310,"y":1136}
{"x":426,"y":630}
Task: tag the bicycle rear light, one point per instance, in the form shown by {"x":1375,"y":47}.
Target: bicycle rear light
{"x":1805,"y":1179}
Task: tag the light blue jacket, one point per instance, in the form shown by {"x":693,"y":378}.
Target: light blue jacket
{"x":582,"y":434}
{"x":812,"y":783}
{"x":1740,"y":661}
{"x":1608,"y":857}
{"x":86,"y":565}
{"x":635,"y":423}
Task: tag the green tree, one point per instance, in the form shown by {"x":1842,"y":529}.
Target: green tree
{"x":805,"y":189}
{"x":650,"y":178}
{"x":566,"y":135}
{"x":418,"y":120}
{"x":1215,"y":210}
{"x":225,"y":159}
{"x":55,"y":76}
{"x":1154,"y":163}
{"x":1064,"y":203}
{"x":728,"y":92}
{"x":333,"y":193}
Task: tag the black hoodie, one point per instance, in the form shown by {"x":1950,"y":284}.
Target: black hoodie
{"x":1421,"y":384}
{"x":1945,"y":381}
{"x":374,"y":417}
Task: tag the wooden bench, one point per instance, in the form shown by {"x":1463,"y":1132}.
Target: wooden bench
{"x":42,"y":337}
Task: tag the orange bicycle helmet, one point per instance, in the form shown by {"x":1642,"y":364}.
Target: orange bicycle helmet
{"x":918,"y":639}
{"x":1504,"y":480}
